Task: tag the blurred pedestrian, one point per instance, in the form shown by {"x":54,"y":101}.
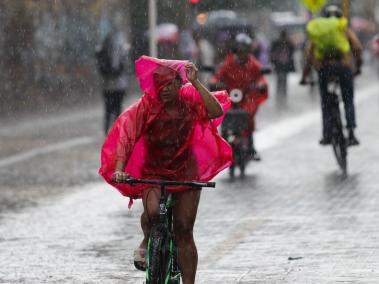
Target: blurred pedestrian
{"x":187,"y":46}
{"x":281,"y":56}
{"x":373,"y":47}
{"x":112,"y":60}
{"x":205,"y":57}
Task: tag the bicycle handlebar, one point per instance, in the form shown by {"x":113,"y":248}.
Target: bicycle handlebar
{"x":132,"y":181}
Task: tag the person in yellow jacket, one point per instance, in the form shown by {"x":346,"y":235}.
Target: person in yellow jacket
{"x":334,"y":50}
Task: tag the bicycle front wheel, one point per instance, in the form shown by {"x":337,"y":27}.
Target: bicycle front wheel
{"x":338,"y":139}
{"x":340,"y":151}
{"x":158,"y":258}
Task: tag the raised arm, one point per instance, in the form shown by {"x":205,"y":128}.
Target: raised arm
{"x":212,"y":106}
{"x":356,"y":48}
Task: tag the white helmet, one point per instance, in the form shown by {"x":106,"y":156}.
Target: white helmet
{"x":243,"y":41}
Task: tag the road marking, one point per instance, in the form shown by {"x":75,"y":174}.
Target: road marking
{"x":222,"y":248}
{"x":45,"y":150}
{"x":40,"y":123}
{"x":88,"y":113}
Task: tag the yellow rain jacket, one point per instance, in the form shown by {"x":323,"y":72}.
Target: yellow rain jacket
{"x":329,"y":37}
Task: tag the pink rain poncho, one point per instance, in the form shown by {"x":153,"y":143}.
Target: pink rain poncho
{"x":157,"y":145}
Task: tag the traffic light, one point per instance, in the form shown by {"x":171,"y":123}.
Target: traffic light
{"x":196,"y":5}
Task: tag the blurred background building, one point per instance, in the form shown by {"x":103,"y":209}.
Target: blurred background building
{"x":47,"y":50}
{"x":47,"y":47}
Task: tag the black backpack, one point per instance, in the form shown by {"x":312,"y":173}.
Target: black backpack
{"x":104,"y":62}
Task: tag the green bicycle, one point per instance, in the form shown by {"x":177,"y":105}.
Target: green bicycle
{"x":161,"y":261}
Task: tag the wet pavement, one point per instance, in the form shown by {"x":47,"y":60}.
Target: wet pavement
{"x":294,"y":219}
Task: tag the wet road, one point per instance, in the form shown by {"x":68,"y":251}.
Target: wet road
{"x":293,"y":220}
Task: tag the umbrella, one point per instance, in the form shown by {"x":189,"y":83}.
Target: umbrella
{"x":167,"y":32}
{"x":223,"y":19}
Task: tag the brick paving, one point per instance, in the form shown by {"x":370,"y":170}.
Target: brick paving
{"x":297,"y":205}
{"x":294,"y":219}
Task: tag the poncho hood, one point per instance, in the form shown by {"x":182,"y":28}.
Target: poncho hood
{"x":153,"y":73}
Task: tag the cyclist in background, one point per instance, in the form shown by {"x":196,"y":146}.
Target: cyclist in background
{"x":242,"y":71}
{"x":334,"y":50}
{"x":169,"y":134}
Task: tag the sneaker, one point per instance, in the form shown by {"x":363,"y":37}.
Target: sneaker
{"x":255,"y":156}
{"x":325,"y":141}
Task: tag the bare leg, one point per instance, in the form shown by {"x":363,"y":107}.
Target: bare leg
{"x":185,"y":211}
{"x":145,"y":225}
{"x":150,"y":198}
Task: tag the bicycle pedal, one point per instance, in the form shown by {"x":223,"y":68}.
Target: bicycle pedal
{"x":175,"y":276}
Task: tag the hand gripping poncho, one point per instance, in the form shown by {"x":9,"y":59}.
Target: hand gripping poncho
{"x":158,"y":145}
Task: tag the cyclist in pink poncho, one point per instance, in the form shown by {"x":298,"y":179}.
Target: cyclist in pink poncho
{"x":170,"y":133}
